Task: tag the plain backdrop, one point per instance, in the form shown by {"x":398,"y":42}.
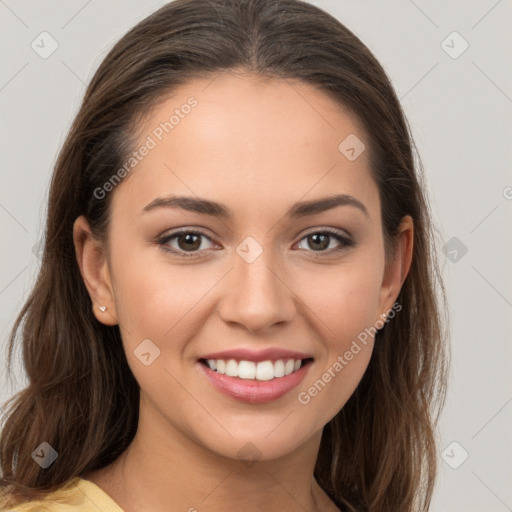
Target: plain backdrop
{"x":450,"y":64}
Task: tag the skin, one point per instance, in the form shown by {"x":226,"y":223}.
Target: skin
{"x":268,"y":144}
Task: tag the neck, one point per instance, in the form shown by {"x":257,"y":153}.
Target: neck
{"x":163,"y":466}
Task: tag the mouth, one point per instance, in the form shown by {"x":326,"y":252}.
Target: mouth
{"x":256,"y":371}
{"x":254,"y":382}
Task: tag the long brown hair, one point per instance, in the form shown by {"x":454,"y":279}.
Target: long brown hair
{"x":378,"y":453}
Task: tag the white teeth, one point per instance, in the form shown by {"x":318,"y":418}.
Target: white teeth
{"x":232,"y":368}
{"x":279,"y":368}
{"x":289,"y":366}
{"x":246,"y":370}
{"x":264,"y":370}
{"x":221,"y":366}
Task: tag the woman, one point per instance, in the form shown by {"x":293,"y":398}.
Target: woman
{"x":237,"y":300}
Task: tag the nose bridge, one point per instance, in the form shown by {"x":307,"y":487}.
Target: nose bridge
{"x":257,"y":295}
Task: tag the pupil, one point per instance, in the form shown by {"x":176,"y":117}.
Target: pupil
{"x":188,"y":236}
{"x":323,"y":239}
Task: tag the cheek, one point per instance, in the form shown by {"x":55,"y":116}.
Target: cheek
{"x":160,"y":301}
{"x":149,"y":296}
{"x":345,"y":300}
{"x":327,"y":391}
{"x":155,"y":305}
{"x":345,"y":304}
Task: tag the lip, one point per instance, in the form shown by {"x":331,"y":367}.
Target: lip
{"x":254,"y":391}
{"x":256,"y":356}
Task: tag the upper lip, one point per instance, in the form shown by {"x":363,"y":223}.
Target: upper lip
{"x":244,"y":354}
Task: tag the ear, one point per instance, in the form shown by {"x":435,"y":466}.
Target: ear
{"x":92,"y":261}
{"x":397,"y":269}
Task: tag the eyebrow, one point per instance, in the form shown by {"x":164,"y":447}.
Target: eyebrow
{"x":300,"y":209}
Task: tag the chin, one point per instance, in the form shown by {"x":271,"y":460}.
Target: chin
{"x":270,"y":441}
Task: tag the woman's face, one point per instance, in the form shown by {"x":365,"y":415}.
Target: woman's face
{"x":263,"y":283}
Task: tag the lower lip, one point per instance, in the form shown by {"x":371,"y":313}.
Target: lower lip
{"x":254,"y":391}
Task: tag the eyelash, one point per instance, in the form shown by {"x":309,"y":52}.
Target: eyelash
{"x":347,"y":242}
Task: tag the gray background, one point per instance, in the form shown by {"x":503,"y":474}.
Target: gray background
{"x":460,"y":112}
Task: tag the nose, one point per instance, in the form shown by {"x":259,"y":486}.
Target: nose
{"x":257,"y":295}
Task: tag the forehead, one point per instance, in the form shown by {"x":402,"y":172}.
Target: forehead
{"x":242,"y":139}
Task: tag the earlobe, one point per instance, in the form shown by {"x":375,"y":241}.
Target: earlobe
{"x":92,"y":261}
{"x":397,"y":269}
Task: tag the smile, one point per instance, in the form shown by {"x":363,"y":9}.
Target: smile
{"x":252,"y":382}
{"x":249,"y":370}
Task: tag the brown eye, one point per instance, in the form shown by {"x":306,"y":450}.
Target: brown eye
{"x":188,"y":243}
{"x":320,"y":241}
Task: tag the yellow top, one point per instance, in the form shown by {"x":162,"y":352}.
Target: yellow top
{"x":78,"y":495}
